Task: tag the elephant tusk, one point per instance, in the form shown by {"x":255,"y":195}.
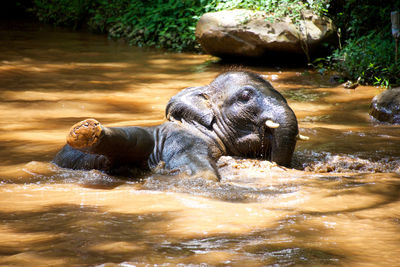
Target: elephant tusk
{"x":302,"y":137}
{"x":271,"y":124}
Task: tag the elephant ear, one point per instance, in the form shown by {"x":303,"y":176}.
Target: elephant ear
{"x":191,"y":104}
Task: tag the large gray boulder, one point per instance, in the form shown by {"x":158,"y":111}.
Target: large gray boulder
{"x":249,"y":33}
{"x":385,"y":107}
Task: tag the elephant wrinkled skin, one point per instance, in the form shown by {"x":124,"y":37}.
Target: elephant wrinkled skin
{"x":237,"y":114}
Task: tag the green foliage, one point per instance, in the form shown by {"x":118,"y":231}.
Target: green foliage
{"x":368,"y":52}
{"x":169,"y":24}
{"x":277,"y":8}
{"x":70,"y":13}
{"x":109,"y":12}
{"x":159,"y":23}
{"x":370,"y":59}
{"x":357,"y":18}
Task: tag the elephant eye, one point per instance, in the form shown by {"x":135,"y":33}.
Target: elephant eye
{"x":245,"y":95}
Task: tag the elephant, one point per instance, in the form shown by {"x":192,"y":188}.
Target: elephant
{"x":238,"y":114}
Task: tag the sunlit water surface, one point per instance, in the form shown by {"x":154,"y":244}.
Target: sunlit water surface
{"x":338,"y":206}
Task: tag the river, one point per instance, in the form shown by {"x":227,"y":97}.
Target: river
{"x":339,"y":205}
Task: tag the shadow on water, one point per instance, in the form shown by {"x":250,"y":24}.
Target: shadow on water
{"x":73,"y":234}
{"x":354,"y":187}
{"x":82,"y":234}
{"x":87,"y":234}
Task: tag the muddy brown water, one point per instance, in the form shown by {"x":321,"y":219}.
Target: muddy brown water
{"x":339,"y":205}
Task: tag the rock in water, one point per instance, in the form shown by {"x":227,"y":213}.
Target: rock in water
{"x":385,"y":107}
{"x":249,"y":33}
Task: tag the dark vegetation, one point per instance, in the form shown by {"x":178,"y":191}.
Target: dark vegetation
{"x":365,"y":50}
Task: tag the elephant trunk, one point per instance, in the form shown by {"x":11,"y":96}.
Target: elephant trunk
{"x":284,"y":134}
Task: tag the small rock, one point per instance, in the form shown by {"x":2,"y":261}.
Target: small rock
{"x":385,"y":107}
{"x":350,"y":85}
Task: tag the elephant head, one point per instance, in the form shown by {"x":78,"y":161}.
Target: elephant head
{"x":243,"y":112}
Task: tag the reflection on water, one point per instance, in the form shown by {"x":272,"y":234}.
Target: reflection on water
{"x":338,"y":206}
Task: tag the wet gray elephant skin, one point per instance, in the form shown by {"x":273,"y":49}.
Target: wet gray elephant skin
{"x":237,"y":114}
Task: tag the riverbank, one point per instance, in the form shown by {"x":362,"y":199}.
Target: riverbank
{"x":364,"y":51}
